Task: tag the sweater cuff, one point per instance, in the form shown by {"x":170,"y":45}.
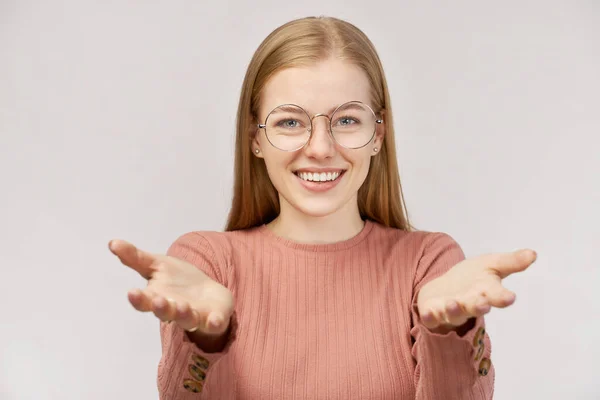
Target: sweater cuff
{"x":185,"y":366}
{"x":475,"y":338}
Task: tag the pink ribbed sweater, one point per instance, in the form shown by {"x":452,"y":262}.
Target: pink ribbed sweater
{"x":325,"y":321}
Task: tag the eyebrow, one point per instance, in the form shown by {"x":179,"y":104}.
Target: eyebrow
{"x":290,"y":108}
{"x":286,"y":108}
{"x":352,"y":106}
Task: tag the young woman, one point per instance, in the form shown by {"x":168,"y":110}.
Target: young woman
{"x":320,"y":288}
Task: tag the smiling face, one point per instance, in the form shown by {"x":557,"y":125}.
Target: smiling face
{"x":322,"y":177}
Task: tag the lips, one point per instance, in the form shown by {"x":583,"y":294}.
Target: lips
{"x":312,"y":180}
{"x":319,"y":176}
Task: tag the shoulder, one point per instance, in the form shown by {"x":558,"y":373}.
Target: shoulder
{"x":212,"y":252}
{"x":219,"y":244}
{"x":418,"y":242}
{"x":420,"y":255}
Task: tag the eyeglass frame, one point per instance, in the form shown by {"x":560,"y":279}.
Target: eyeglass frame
{"x":310,"y":130}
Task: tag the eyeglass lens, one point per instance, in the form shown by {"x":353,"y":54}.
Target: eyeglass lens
{"x":288,"y":127}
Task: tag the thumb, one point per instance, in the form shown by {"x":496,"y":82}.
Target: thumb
{"x":138,"y":260}
{"x":509,"y":263}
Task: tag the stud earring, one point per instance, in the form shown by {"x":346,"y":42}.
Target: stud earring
{"x":375,"y":149}
{"x":257,"y":151}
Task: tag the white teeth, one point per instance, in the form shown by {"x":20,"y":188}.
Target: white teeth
{"x":318,"y":177}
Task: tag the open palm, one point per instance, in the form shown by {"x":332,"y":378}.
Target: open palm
{"x":471,"y":288}
{"x":176,"y":291}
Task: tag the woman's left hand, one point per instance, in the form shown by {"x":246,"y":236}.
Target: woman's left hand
{"x":470,"y":289}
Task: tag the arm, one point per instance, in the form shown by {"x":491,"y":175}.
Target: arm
{"x":187,"y":357}
{"x":455,"y":364}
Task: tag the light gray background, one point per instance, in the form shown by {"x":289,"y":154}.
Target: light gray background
{"x":117,"y":120}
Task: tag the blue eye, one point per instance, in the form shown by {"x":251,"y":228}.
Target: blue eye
{"x":288,"y":123}
{"x":345,"y":121}
{"x":287,"y":127}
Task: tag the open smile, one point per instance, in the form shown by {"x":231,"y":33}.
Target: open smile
{"x":319,"y":181}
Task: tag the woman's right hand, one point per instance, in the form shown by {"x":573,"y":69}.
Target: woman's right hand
{"x":177,"y":291}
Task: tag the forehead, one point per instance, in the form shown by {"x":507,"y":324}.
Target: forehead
{"x":317,"y":88}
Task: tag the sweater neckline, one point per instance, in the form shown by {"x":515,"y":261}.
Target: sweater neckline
{"x":318,"y":247}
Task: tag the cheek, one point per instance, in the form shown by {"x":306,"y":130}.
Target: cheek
{"x":277,"y":164}
{"x":360,"y":161}
{"x":363,"y":171}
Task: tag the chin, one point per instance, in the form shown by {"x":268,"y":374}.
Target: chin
{"x":317,"y":207}
{"x":317,"y":212}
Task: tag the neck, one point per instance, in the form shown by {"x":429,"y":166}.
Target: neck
{"x":338,"y":226}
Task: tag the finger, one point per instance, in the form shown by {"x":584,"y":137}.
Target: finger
{"x":455,"y":314}
{"x":210,"y":322}
{"x":163,"y":308}
{"x":500,"y":297}
{"x":215,"y":323}
{"x":477,"y":306}
{"x":140,"y":300}
{"x":139,"y":260}
{"x":186,"y":317}
{"x":429,"y":319}
{"x":440,"y":319}
{"x":509,"y":263}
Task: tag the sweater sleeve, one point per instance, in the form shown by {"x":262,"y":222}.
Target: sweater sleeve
{"x":449,"y":366}
{"x":184,"y":367}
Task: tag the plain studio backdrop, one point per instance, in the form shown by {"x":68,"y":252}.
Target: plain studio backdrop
{"x":117,"y":121}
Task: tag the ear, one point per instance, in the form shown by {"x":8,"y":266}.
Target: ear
{"x":254,"y":134}
{"x":379,"y":133}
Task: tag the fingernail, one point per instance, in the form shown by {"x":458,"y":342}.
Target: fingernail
{"x":427,"y":317}
{"x":214,"y":320}
{"x":528,"y":253}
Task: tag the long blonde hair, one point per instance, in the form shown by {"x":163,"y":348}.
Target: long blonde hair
{"x":303,"y":42}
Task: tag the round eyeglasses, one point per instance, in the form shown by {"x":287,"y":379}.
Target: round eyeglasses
{"x":352,"y":125}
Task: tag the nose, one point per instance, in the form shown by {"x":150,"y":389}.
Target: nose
{"x":320,"y":143}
